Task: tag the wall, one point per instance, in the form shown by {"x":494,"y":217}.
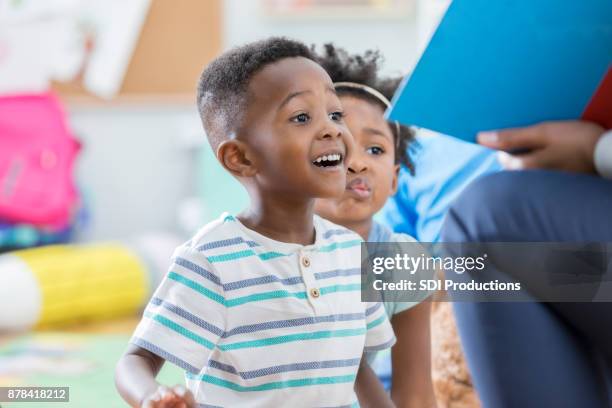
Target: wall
{"x":396,"y":38}
{"x":401,"y":40}
{"x":136,"y":167}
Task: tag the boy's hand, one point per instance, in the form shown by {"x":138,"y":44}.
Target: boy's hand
{"x":175,"y":397}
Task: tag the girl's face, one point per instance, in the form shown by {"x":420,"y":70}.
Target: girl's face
{"x":372,"y":172}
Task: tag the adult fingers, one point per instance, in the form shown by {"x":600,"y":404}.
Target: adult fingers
{"x":536,"y":160}
{"x":531,"y":137}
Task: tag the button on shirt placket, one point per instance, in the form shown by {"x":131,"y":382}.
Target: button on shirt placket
{"x":313,"y":291}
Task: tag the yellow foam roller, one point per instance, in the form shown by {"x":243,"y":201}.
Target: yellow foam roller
{"x":62,"y":284}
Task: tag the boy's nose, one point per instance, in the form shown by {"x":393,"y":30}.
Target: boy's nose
{"x":331,"y":131}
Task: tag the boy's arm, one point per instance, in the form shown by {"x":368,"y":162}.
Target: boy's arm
{"x":135,"y":380}
{"x":135,"y":374}
{"x":369,"y":390}
{"x":412,"y":385}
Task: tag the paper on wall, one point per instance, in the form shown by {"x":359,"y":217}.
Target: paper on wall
{"x":116,"y":25}
{"x":42,"y":40}
{"x":39,"y":41}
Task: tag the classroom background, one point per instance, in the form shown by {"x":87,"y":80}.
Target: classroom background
{"x":104,"y":166}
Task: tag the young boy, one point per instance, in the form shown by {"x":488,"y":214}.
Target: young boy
{"x":263,"y":309}
{"x":380,"y":149}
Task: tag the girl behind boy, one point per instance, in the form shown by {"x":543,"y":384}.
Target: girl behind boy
{"x":380,"y":149}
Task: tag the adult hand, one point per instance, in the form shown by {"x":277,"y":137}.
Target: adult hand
{"x":567,"y":145}
{"x":175,"y":397}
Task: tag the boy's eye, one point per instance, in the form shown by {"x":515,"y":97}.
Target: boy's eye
{"x":336,"y":116}
{"x":375,"y":150}
{"x":301,"y":118}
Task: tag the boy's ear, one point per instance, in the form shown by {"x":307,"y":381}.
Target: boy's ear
{"x":395,"y":179}
{"x":235,"y":157}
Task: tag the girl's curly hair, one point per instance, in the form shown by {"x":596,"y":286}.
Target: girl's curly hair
{"x":363,"y":69}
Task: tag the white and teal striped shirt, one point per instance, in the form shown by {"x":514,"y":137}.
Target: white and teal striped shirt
{"x":260,"y":323}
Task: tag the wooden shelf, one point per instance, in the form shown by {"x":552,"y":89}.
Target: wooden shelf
{"x":86,"y":100}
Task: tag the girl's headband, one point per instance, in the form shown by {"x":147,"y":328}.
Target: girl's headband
{"x":380,"y":97}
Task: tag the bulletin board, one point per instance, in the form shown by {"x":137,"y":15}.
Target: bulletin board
{"x":178,"y":38}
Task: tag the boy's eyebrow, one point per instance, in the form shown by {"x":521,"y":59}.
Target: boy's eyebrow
{"x":291,"y":96}
{"x":298,"y":93}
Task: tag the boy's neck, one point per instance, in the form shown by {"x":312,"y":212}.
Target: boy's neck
{"x":281,"y":220}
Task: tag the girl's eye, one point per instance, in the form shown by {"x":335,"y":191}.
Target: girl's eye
{"x":301,"y":118}
{"x":375,"y":150}
{"x":336,"y":116}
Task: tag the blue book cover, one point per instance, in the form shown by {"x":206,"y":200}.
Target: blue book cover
{"x":495,"y":64}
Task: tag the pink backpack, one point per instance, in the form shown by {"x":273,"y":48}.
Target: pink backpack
{"x":37,"y":152}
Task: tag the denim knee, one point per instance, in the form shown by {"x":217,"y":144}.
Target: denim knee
{"x":486,"y":209}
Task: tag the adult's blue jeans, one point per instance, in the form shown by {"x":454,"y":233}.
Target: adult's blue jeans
{"x":535,"y":354}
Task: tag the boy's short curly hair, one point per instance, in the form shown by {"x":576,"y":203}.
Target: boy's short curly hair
{"x":363,"y":69}
{"x":222,"y":89}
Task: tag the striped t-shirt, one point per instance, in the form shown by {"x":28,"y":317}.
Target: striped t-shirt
{"x":261,"y":323}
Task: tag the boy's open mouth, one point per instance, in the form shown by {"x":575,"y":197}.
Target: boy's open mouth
{"x":328,"y":160}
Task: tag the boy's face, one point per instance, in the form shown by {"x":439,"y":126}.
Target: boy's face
{"x":372,"y":172}
{"x":295,"y":131}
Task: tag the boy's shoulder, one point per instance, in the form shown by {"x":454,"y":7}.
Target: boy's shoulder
{"x":222,"y":227}
{"x":334,"y":232}
{"x":217,"y":234}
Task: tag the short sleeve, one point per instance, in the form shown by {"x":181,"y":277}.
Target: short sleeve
{"x":379,"y":334}
{"x":398,"y":212}
{"x":185,"y":318}
{"x":398,"y":301}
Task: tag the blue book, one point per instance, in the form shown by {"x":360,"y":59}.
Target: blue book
{"x":496,"y":64}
